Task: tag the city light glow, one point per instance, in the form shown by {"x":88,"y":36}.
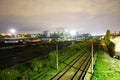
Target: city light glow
{"x":12,"y":31}
{"x":72,"y":32}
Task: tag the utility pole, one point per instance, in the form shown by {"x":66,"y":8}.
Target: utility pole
{"x":57,"y":56}
{"x":92,"y":57}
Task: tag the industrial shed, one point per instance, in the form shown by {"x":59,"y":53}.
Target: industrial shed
{"x":116,"y":41}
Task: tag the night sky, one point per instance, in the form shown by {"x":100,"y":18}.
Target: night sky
{"x":84,"y":16}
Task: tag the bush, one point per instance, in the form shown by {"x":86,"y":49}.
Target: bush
{"x":30,"y":76}
{"x":46,"y":63}
{"x":52,"y":58}
{"x":36,"y":65}
{"x":21,"y":68}
{"x":9,"y":74}
{"x":111,"y":49}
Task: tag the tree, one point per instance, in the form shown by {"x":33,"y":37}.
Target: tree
{"x":52,"y":57}
{"x":36,"y":64}
{"x":119,"y":33}
{"x":9,"y":74}
{"x":107,"y":37}
{"x":55,"y":35}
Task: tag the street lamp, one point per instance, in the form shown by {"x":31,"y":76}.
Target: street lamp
{"x":92,"y":56}
{"x":73,"y":33}
{"x":12,"y":31}
{"x":57,"y":56}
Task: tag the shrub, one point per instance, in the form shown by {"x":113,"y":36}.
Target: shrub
{"x":21,"y":68}
{"x":46,"y":63}
{"x":28,"y":76}
{"x":9,"y":74}
{"x":36,"y":65}
{"x":111,"y":48}
{"x":52,"y":58}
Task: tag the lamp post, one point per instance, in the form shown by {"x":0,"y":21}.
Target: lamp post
{"x":92,"y":57}
{"x":13,"y":31}
{"x":73,"y":34}
{"x":57,"y":56}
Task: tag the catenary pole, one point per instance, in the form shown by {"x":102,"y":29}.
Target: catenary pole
{"x":92,"y":56}
{"x":57,"y":56}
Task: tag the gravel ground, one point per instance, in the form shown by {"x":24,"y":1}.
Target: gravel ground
{"x":114,"y":63}
{"x":89,"y":73}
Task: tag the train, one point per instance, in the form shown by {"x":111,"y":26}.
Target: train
{"x":18,"y":41}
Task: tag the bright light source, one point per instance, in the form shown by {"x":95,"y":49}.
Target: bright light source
{"x":13,"y":31}
{"x":94,"y":34}
{"x":66,"y":30}
{"x":73,"y":33}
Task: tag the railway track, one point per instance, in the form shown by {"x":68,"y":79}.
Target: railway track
{"x":77,"y":69}
{"x":14,"y":61}
{"x":17,"y":55}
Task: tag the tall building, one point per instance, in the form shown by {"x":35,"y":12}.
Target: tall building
{"x":60,"y":31}
{"x":46,"y":33}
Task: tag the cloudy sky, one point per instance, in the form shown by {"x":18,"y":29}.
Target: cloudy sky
{"x":84,"y":16}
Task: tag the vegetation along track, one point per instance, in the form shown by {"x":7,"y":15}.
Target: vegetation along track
{"x":15,"y":56}
{"x":77,"y":69}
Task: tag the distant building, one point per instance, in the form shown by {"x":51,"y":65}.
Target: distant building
{"x":46,"y":34}
{"x":20,"y":35}
{"x":5,"y":35}
{"x":60,"y":31}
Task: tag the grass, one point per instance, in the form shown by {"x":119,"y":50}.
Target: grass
{"x":103,"y":70}
{"x":9,"y":74}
